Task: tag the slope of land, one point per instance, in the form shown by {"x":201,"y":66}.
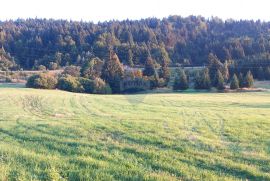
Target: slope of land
{"x":55,"y":135}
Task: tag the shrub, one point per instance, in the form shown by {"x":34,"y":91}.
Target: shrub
{"x":74,"y":71}
{"x":100,"y":87}
{"x":87,"y":84}
{"x":70,"y":83}
{"x":42,"y":81}
{"x":42,"y":68}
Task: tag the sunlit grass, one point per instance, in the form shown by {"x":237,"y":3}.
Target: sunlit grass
{"x":55,"y":135}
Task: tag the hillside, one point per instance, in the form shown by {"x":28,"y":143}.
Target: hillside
{"x":55,"y":135}
{"x":185,"y":40}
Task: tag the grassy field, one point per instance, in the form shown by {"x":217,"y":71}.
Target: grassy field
{"x":55,"y":135}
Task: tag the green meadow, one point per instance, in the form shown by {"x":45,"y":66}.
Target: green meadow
{"x":56,"y":135}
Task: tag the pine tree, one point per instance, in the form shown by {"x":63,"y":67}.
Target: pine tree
{"x":149,"y":68}
{"x":113,"y":72}
{"x":206,"y":81}
{"x":267,"y":73}
{"x":241,"y":80}
{"x":130,"y":58}
{"x":197,"y":80}
{"x":181,"y":81}
{"x":260,"y":74}
{"x":234,"y":83}
{"x":220,"y":81}
{"x":249,"y":79}
{"x":202,"y":80}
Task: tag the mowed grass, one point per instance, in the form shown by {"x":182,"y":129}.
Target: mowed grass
{"x":55,"y":135}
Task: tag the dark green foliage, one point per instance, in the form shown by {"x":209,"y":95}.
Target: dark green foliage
{"x":267,"y":73}
{"x":219,"y":80}
{"x":149,"y":67}
{"x":95,"y":86}
{"x":6,"y":61}
{"x":249,"y":81}
{"x":42,"y":81}
{"x":113,"y":72}
{"x":73,"y":71}
{"x":181,"y":81}
{"x":92,"y":68}
{"x":70,"y":83}
{"x":260,"y":74}
{"x":100,"y":87}
{"x":215,"y":67}
{"x":185,"y":41}
{"x":241,"y":80}
{"x":202,"y":80}
{"x":164,"y":70}
{"x":87,"y":85}
{"x":235,"y":82}
{"x":155,"y":80}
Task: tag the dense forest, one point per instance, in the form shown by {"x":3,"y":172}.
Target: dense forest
{"x":29,"y":44}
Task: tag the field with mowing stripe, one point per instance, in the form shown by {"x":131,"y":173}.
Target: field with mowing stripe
{"x":55,"y":135}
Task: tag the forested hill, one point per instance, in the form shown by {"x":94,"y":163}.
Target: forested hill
{"x":187,"y":41}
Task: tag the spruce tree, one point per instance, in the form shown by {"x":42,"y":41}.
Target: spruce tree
{"x":181,"y":81}
{"x":260,"y":74}
{"x":234,"y":83}
{"x":220,"y":81}
{"x":249,"y":80}
{"x":198,"y":80}
{"x":267,"y":73}
{"x":206,"y":81}
{"x":241,"y":80}
{"x":113,"y":72}
{"x":165,"y":60}
{"x":149,"y":67}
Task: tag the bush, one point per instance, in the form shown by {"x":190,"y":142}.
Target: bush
{"x":100,"y":87}
{"x":73,"y":71}
{"x":70,"y":83}
{"x":87,"y":84}
{"x":42,"y":81}
{"x":42,"y":68}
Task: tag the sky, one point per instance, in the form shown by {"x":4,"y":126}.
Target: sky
{"x":104,"y":10}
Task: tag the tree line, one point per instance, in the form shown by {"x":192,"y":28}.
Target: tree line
{"x":184,"y":41}
{"x":105,"y":77}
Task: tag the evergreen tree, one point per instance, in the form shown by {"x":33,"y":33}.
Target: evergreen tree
{"x":234,"y":83}
{"x":149,"y":68}
{"x":197,"y":80}
{"x":260,"y":74}
{"x":92,"y":68}
{"x":165,"y":60}
{"x":241,"y":80}
{"x":112,"y":72}
{"x":249,"y":79}
{"x":206,"y":81}
{"x":220,"y":80}
{"x":181,"y":81}
{"x":202,"y":80}
{"x":267,"y":73}
{"x":130,"y":58}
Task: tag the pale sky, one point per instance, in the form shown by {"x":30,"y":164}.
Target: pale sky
{"x":101,"y":10}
